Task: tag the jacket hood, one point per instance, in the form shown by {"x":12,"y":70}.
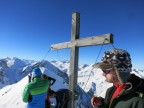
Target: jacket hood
{"x":136,"y":82}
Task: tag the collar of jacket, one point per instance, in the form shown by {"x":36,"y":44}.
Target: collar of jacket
{"x":36,"y":79}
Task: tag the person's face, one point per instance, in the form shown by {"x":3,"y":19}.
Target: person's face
{"x":109,"y":74}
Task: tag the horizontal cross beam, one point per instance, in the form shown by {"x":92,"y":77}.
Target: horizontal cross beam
{"x":83,"y":42}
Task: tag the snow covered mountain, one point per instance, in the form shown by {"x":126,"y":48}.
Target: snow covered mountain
{"x":13,"y":78}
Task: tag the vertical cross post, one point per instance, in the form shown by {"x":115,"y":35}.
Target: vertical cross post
{"x":74,"y":59}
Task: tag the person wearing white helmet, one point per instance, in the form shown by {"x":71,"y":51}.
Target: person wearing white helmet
{"x":127,"y":90}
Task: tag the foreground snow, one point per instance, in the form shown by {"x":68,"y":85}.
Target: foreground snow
{"x":11,"y":96}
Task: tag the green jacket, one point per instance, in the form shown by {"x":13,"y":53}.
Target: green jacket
{"x":36,"y":87}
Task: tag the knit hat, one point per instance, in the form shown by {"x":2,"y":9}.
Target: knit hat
{"x":119,"y":58}
{"x":36,"y":72}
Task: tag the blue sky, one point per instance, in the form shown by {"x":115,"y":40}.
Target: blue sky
{"x":29,"y":27}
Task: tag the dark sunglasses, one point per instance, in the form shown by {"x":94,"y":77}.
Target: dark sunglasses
{"x":107,"y":71}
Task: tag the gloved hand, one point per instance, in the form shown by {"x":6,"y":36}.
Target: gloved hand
{"x":95,"y":101}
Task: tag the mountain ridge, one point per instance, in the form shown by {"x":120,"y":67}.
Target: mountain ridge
{"x":90,"y":80}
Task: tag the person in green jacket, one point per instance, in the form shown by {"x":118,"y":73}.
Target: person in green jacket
{"x":127,"y":88}
{"x":35,"y":92}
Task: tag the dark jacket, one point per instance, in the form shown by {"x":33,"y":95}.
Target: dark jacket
{"x":62,"y":98}
{"x":129,"y":98}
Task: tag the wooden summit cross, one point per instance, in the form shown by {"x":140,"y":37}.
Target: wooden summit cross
{"x":74,"y":44}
